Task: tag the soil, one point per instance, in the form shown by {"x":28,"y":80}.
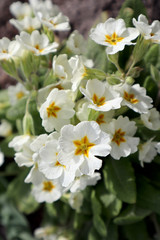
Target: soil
{"x":82,"y":14}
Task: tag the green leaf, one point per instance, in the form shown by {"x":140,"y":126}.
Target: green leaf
{"x":96,"y":206}
{"x":20,"y":193}
{"x":99,"y":225}
{"x":4,"y":95}
{"x":93,"y":235}
{"x":137,"y":231}
{"x":151,"y":87}
{"x":92,"y":73}
{"x":98,"y":54}
{"x":112,"y":231}
{"x":112,"y":205}
{"x":131,"y":214}
{"x":155,"y":74}
{"x":151,"y":56}
{"x":130,"y":9}
{"x":148,"y":197}
{"x":8,"y":152}
{"x":119,"y":179}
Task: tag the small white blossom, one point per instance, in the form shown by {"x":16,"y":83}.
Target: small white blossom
{"x":76,"y":200}
{"x":20,"y":10}
{"x":147,"y":152}
{"x":47,"y":8}
{"x":37,"y":43}
{"x":5,"y":128}
{"x":149,"y":32}
{"x":27,"y":24}
{"x":45,"y":233}
{"x":121,"y":131}
{"x":78,"y":64}
{"x":135,"y":97}
{"x":18,"y":142}
{"x":16,"y":93}
{"x":76,"y":43}
{"x":9,"y":49}
{"x":56,"y":110}
{"x":51,"y":167}
{"x":1,"y":158}
{"x":80,"y":183}
{"x":55,"y":23}
{"x":151,"y":119}
{"x":158,"y":147}
{"x":113,"y":34}
{"x":81,"y":143}
{"x":62,"y":68}
{"x":101,"y":96}
{"x":47,"y":191}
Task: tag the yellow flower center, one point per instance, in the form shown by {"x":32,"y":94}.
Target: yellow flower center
{"x":20,"y":94}
{"x":100,"y":119}
{"x":118,"y":137}
{"x":38,"y":48}
{"x":113,"y":39}
{"x":83,"y":146}
{"x":98,"y":101}
{"x":52,"y":109}
{"x":130,"y":97}
{"x":4,"y":51}
{"x":48,"y":186}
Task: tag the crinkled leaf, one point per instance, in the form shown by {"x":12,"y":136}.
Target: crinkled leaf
{"x":119,"y":179}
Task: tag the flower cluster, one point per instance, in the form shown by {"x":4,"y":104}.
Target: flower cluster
{"x":84,"y":115}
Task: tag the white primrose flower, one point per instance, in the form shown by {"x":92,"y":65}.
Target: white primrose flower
{"x":82,"y":113}
{"x":27,"y":24}
{"x":80,"y":183}
{"x":78,"y":65}
{"x":47,"y":8}
{"x":76,"y":43}
{"x":35,"y":176}
{"x":1,"y":158}
{"x":9,"y":49}
{"x":134,"y":97}
{"x":47,"y":191}
{"x":149,"y":32}
{"x":20,"y":10}
{"x":16,"y":93}
{"x":62,"y":68}
{"x":122,"y":131}
{"x":113,"y":34}
{"x":55,"y":23}
{"x":151,"y":119}
{"x":57,"y":110}
{"x":80,"y":144}
{"x":5,"y":128}
{"x":147,"y":151}
{"x":37,"y":43}
{"x":101,"y":96}
{"x":51,"y":167}
{"x":76,"y":200}
{"x":44,"y":92}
